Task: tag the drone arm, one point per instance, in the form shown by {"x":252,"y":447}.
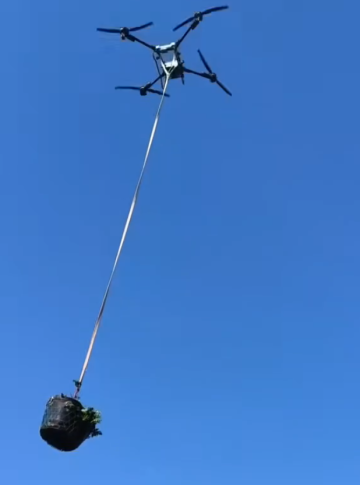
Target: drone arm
{"x":192,"y":27}
{"x":132,"y":38}
{"x":201,"y":74}
{"x":161,"y":76}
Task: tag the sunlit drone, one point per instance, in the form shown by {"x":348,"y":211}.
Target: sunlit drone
{"x":168,"y":58}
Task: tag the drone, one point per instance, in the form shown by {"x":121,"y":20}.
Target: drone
{"x":168,"y":58}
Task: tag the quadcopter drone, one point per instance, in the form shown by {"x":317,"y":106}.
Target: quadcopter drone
{"x":168,"y":58}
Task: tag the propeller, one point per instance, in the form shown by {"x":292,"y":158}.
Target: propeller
{"x":199,"y":15}
{"x":212,"y":76}
{"x":143,"y":90}
{"x":124,"y":30}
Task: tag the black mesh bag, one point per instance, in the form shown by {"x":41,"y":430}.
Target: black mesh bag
{"x":63,"y":426}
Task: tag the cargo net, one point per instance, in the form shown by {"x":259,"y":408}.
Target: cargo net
{"x":66,"y":423}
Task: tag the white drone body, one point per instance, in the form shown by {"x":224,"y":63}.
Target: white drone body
{"x":164,"y":49}
{"x":168,"y":60}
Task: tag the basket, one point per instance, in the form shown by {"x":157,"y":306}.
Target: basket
{"x":63,"y":426}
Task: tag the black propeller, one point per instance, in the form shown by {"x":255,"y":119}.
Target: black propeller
{"x":125,"y":30}
{"x":212,"y":76}
{"x":143,"y":90}
{"x":199,"y":15}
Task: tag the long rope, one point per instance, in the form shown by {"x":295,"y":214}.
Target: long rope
{"x":132,"y":207}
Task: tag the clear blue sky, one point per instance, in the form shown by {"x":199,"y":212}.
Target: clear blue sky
{"x":229,"y":347}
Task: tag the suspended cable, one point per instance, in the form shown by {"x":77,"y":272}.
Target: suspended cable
{"x":127,"y":224}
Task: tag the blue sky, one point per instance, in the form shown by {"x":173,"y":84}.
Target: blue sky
{"x":229,"y":347}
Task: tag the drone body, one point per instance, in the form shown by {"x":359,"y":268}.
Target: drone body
{"x":168,"y":60}
{"x":167,"y":57}
{"x":164,"y":49}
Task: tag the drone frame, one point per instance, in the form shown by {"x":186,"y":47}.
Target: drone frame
{"x":174,"y":68}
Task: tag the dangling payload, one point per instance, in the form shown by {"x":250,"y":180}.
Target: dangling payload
{"x":67,"y":423}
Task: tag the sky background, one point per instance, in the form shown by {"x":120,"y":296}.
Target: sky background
{"x":229,"y":347}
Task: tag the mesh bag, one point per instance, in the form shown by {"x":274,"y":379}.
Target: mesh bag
{"x":63,"y":426}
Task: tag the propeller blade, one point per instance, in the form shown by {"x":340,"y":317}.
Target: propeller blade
{"x":109,"y":31}
{"x":204,"y":62}
{"x":184,"y":23}
{"x":214,"y":76}
{"x":150,"y":90}
{"x":223,"y":87}
{"x":134,"y":29}
{"x":127,"y":87}
{"x":214,"y":9}
{"x":200,"y":14}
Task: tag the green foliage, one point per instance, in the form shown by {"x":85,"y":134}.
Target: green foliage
{"x":91,"y":416}
{"x":94,"y":433}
